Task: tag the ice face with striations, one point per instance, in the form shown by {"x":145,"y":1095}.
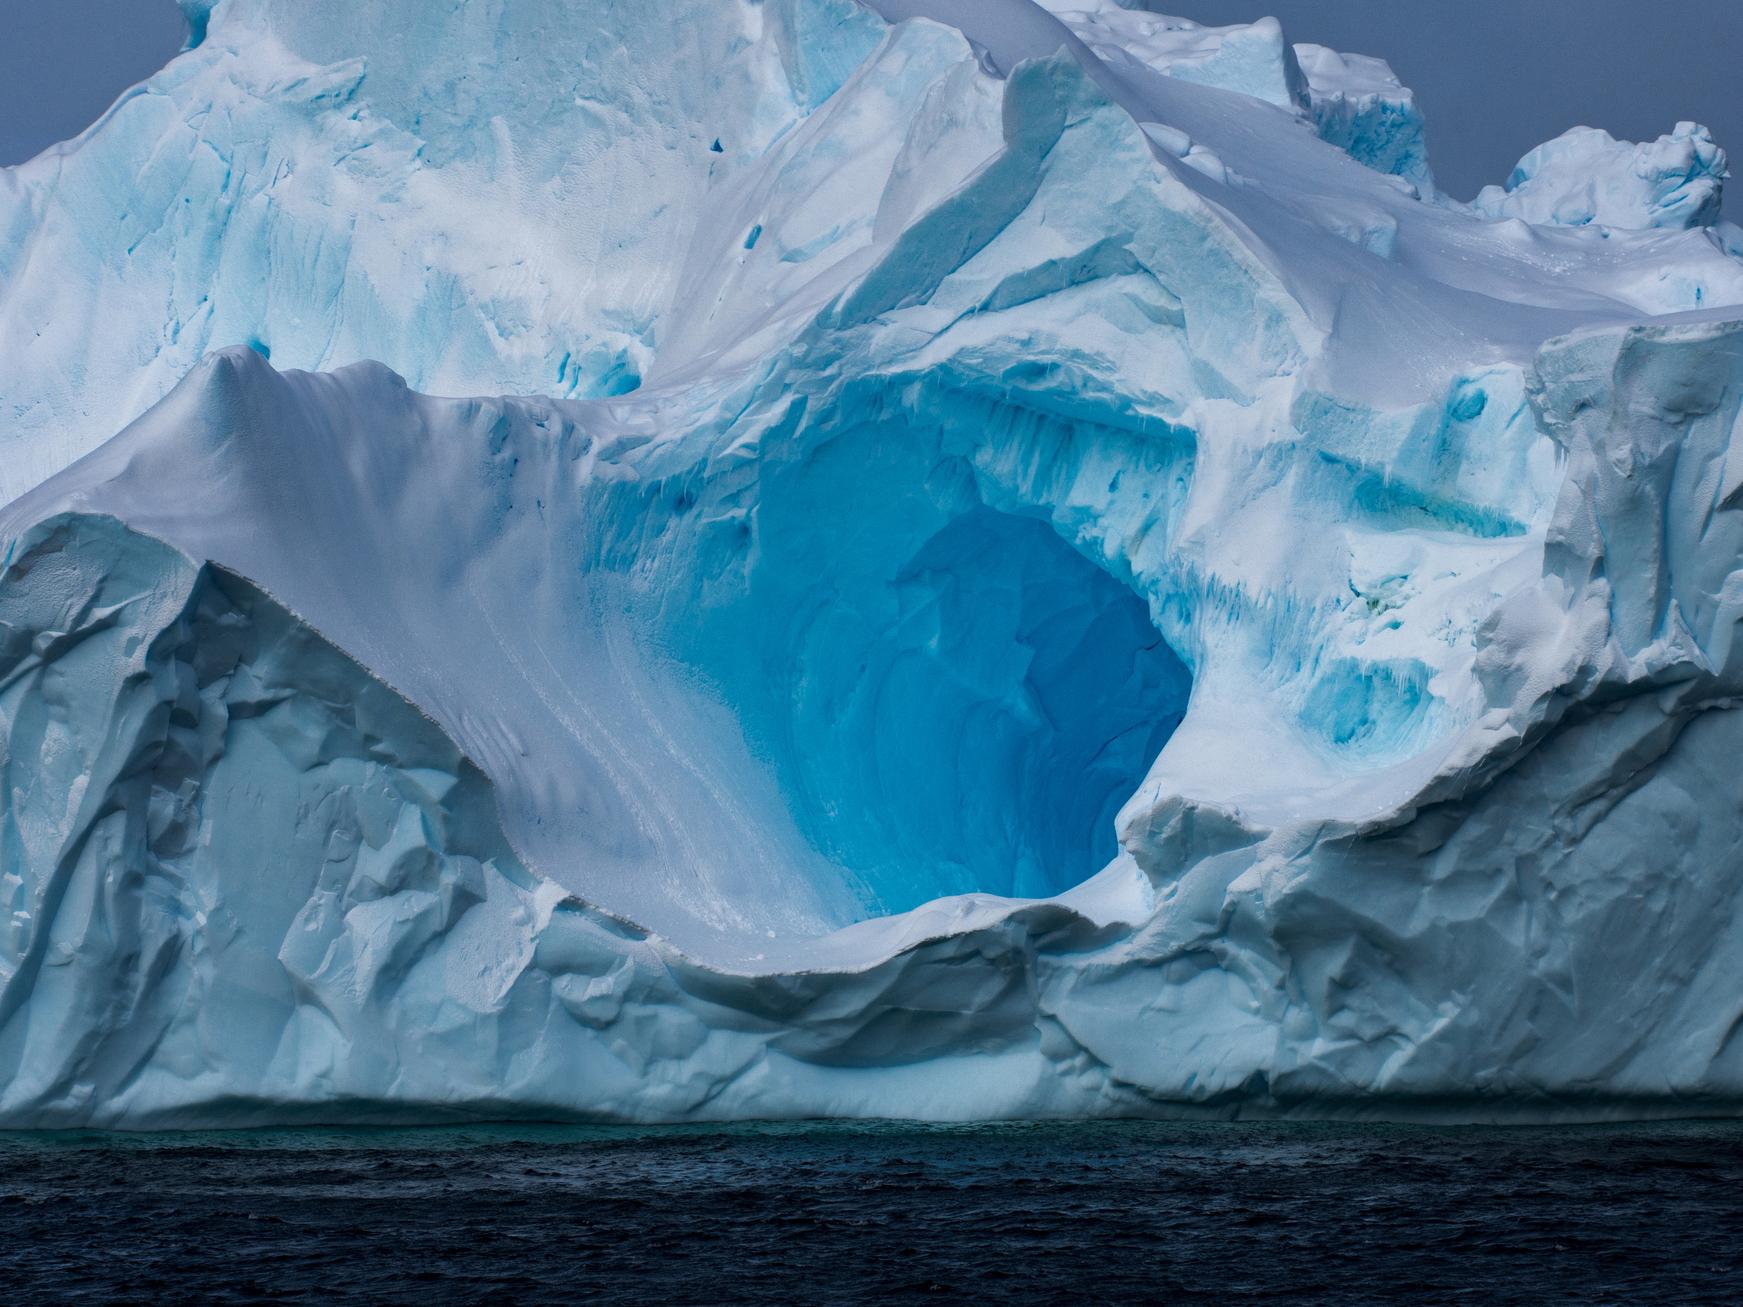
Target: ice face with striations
{"x":1039,"y":568}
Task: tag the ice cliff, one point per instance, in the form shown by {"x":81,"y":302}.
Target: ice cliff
{"x":1038,"y":567}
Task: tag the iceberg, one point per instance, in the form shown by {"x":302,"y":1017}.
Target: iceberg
{"x":1587,"y":176}
{"x":942,"y":559}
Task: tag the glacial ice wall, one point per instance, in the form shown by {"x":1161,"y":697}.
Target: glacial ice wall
{"x":1039,"y":569}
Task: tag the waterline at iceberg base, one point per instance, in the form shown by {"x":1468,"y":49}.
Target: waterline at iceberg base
{"x":1039,"y":568}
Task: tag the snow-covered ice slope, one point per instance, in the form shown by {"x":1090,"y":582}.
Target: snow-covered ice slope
{"x":1039,"y":568}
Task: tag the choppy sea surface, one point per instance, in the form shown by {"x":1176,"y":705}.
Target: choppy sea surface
{"x":1129,"y":1212}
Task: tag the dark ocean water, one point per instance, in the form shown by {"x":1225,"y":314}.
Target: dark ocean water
{"x":878,"y":1214}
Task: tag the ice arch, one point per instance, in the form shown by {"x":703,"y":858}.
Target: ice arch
{"x":952,"y":697}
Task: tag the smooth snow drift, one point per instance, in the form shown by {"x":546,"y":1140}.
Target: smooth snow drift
{"x":1042,"y":568}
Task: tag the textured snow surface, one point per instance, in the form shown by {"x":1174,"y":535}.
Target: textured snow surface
{"x":1040,"y":568}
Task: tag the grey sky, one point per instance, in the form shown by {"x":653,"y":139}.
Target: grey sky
{"x":1494,"y":77}
{"x":63,"y":62}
